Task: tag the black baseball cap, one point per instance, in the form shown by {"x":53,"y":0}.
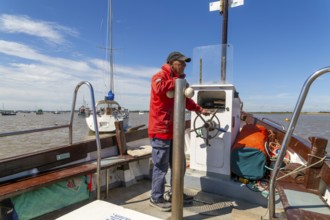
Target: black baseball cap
{"x":177,"y":56}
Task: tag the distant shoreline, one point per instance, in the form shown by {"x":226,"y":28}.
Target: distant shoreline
{"x":304,"y":113}
{"x":147,"y":111}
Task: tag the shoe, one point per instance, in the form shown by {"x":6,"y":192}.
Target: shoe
{"x":161,"y":204}
{"x":186,"y":198}
{"x":168,"y":196}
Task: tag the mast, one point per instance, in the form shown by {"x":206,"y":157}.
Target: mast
{"x":224,"y":13}
{"x":111,"y":94}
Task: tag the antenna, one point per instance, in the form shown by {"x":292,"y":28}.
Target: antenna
{"x":224,"y":13}
{"x":111,"y":94}
{"x":222,"y":6}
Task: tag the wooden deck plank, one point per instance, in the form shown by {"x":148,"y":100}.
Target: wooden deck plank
{"x":303,"y":209}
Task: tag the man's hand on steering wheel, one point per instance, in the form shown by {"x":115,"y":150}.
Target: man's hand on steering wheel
{"x":205,"y":112}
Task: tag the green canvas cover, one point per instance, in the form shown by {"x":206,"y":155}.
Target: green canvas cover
{"x":248,"y":163}
{"x":50,"y":198}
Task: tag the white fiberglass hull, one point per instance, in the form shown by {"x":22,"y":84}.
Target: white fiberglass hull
{"x":106,"y":123}
{"x":108,"y":112}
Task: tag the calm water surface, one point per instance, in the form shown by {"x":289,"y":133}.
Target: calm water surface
{"x":20,"y":144}
{"x":307,"y":126}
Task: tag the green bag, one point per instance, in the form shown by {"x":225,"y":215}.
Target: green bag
{"x":50,"y":198}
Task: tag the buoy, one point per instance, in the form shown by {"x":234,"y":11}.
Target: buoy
{"x":189,"y":92}
{"x":286,"y":119}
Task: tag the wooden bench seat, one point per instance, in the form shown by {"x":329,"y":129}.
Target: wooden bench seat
{"x":11,"y":189}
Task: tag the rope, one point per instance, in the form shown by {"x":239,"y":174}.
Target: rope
{"x":298,"y":169}
{"x":272,"y":146}
{"x":268,"y":168}
{"x":266,"y":148}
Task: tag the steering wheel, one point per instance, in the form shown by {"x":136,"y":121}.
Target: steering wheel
{"x":211,"y":125}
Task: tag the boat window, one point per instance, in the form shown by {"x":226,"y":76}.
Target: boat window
{"x":212,"y":99}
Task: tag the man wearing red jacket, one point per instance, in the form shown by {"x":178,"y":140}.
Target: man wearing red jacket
{"x":160,"y":128}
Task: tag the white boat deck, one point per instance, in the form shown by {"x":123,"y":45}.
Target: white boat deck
{"x":125,"y":201}
{"x":102,"y":210}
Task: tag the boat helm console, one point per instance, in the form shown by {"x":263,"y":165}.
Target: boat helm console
{"x":213,"y":135}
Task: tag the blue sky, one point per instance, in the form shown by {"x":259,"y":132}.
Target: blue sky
{"x":48,"y":47}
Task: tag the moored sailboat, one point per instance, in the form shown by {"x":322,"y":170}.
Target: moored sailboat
{"x":108,"y":110}
{"x":8,"y":113}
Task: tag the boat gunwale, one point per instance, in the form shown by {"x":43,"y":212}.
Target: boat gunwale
{"x":46,"y":159}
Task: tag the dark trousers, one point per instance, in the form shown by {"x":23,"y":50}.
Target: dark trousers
{"x":162,"y":160}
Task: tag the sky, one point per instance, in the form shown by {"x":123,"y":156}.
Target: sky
{"x":48,"y":47}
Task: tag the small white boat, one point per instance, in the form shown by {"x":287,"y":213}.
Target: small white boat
{"x":108,"y":112}
{"x":83,"y":111}
{"x":8,"y":113}
{"x":39,"y":112}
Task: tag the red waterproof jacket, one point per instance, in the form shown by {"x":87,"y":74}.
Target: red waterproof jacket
{"x":162,"y":107}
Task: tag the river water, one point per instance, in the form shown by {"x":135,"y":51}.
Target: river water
{"x":308,"y":125}
{"x":27,"y":143}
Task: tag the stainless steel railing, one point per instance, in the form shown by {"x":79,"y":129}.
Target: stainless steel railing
{"x":37,"y":130}
{"x":274,"y":123}
{"x":69,"y":125}
{"x":97,"y":135}
{"x":287,"y":137}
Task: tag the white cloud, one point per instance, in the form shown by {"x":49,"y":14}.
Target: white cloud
{"x":139,"y":71}
{"x":34,"y":79}
{"x":31,"y":79}
{"x":18,"y":50}
{"x":49,"y":31}
{"x":28,"y":53}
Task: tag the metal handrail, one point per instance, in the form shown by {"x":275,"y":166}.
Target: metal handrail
{"x":69,"y":125}
{"x":34,"y":130}
{"x":97,"y":135}
{"x":287,"y":137}
{"x":274,"y":123}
